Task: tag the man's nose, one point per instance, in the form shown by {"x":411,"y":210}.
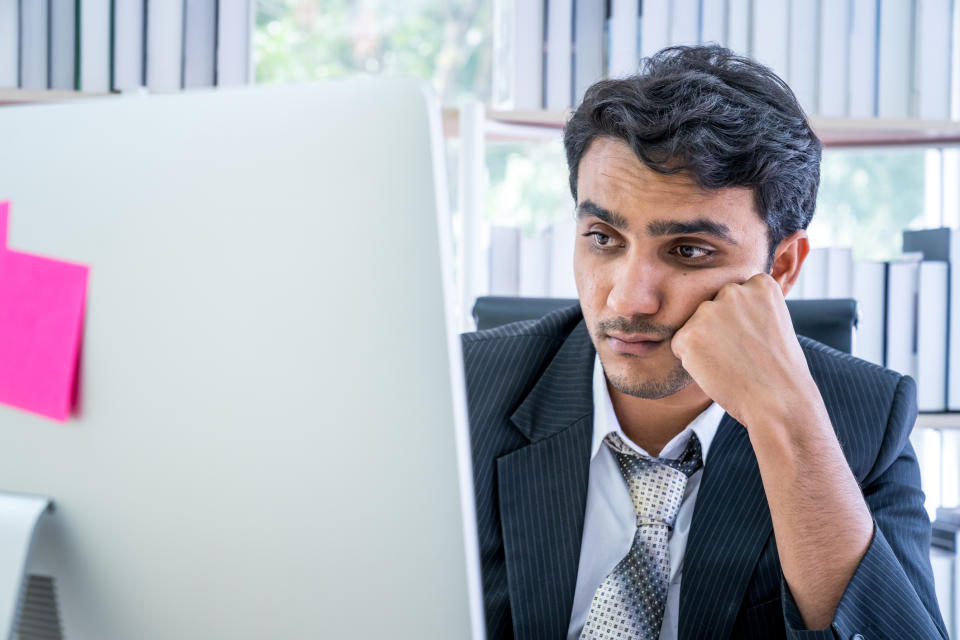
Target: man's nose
{"x":636,"y":289}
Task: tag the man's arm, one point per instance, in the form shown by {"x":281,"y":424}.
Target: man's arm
{"x":891,"y":593}
{"x":820,"y":520}
{"x":742,"y":351}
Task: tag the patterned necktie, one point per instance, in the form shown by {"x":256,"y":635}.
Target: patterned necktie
{"x":629,"y":603}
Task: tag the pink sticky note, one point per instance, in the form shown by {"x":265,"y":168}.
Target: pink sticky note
{"x":41,"y":320}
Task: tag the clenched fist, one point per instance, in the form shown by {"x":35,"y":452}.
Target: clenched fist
{"x":741,"y":349}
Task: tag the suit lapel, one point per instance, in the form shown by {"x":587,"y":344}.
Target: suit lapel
{"x":731,"y":524}
{"x":542,"y":489}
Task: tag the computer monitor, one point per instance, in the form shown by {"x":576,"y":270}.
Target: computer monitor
{"x":271,"y":406}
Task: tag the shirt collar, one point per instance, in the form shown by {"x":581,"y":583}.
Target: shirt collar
{"x":605,"y":421}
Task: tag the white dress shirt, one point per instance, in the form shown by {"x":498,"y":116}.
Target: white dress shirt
{"x":610,"y":523}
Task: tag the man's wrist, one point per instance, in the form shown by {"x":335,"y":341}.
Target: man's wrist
{"x":794,"y":417}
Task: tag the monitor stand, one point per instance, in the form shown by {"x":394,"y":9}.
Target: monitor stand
{"x":28,"y":603}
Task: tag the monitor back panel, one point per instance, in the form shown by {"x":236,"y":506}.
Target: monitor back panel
{"x":265,"y":442}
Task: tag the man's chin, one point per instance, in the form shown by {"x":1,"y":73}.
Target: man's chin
{"x":645,"y":385}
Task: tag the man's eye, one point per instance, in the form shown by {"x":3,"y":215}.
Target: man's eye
{"x":599,"y":239}
{"x":690,"y":252}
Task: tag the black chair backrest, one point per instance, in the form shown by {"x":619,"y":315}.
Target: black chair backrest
{"x":828,"y":321}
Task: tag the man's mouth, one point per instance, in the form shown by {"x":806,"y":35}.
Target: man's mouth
{"x":633,"y":345}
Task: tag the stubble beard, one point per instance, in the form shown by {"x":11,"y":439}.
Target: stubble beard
{"x":674,"y":380}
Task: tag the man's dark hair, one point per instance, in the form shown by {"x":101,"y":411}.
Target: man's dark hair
{"x":726,"y":120}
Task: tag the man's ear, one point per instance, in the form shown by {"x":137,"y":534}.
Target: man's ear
{"x":788,"y":258}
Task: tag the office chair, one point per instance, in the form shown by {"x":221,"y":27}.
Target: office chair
{"x":828,"y":321}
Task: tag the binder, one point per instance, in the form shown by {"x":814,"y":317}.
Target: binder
{"x":63,"y":44}
{"x":932,"y":336}
{"x":863,"y":59}
{"x":9,"y":44}
{"x":128,"y":44}
{"x":895,"y":58}
{"x":771,"y":34}
{"x":902,"y":292}
{"x":932,"y":71}
{"x":94,"y":46}
{"x":802,"y":66}
{"x":199,"y":43}
{"x":34,"y":45}
{"x":624,"y":31}
{"x":165,"y":47}
{"x":943,"y":244}
{"x":685,"y":22}
{"x":713,"y":22}
{"x":834,"y":55}
{"x":654,"y":27}
{"x":588,"y":46}
{"x":870,"y":292}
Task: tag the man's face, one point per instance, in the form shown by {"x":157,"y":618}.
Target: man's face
{"x":650,"y":248}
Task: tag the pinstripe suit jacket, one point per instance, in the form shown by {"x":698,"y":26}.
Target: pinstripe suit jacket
{"x":531,"y":415}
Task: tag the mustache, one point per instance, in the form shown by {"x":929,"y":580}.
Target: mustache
{"x":637,"y":325}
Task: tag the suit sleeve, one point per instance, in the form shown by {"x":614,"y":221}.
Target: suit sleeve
{"x":891,"y":594}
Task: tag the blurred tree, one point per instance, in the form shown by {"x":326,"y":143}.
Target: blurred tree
{"x":866,"y":199}
{"x":528,"y":185}
{"x":446,"y":42}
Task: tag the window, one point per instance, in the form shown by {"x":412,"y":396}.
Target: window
{"x":446,"y":42}
{"x":866,"y":198}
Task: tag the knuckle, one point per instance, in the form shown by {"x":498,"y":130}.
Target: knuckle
{"x":726,"y":290}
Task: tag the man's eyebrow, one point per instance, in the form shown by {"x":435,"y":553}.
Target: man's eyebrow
{"x":612,"y":218}
{"x":690,"y":227}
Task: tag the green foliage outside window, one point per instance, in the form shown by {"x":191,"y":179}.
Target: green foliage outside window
{"x":446,"y":42}
{"x":528,"y":185}
{"x":866,"y":199}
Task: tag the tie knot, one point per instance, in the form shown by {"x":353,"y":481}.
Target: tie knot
{"x":656,"y":485}
{"x":689,"y":461}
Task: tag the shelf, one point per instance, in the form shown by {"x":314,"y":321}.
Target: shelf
{"x":548,"y":125}
{"x":32,"y":96}
{"x":877,"y":132}
{"x":938,"y":421}
{"x":834,"y":132}
{"x":513,"y":125}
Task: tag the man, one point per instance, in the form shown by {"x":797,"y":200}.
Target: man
{"x":668,"y":459}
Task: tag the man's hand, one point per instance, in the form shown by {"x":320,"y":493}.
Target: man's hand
{"x":742,"y":351}
{"x":740,"y":348}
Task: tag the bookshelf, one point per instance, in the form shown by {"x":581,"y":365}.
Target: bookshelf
{"x":834,"y":132}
